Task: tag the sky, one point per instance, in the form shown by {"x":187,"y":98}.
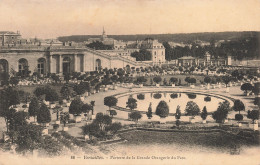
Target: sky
{"x":53,"y":18}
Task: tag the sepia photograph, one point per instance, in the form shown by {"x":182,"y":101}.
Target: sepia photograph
{"x":129,"y":82}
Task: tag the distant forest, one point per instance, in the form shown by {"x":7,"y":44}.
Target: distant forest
{"x":240,"y":45}
{"x":181,"y":37}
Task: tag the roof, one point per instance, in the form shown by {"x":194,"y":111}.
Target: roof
{"x":8,"y":32}
{"x":147,"y":44}
{"x":187,"y":58}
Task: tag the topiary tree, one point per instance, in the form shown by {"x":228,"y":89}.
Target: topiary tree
{"x":34,"y":107}
{"x":254,"y":115}
{"x":86,"y":108}
{"x":131,"y":103}
{"x":39,"y":91}
{"x":112,"y":113}
{"x":149,"y":114}
{"x":102,"y":120}
{"x":110,"y":101}
{"x":51,"y":95}
{"x":157,"y":79}
{"x":43,"y":115}
{"x":65,"y":92}
{"x":226,"y":80}
{"x":178,"y":113}
{"x":207,"y":79}
{"x":204,"y":113}
{"x":246,"y":87}
{"x":192,"y":109}
{"x":79,"y":89}
{"x":140,"y":96}
{"x":162,"y":109}
{"x":173,"y":80}
{"x":64,"y":118}
{"x":76,"y":107}
{"x":221,"y":113}
{"x":141,"y":80}
{"x":238,"y":106}
{"x":135,"y":116}
{"x":187,"y":80}
{"x":192,"y":80}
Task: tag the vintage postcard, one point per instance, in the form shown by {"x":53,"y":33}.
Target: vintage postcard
{"x":129,"y":82}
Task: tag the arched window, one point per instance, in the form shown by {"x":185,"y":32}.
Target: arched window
{"x":22,"y":66}
{"x":41,"y":65}
{"x":155,"y":53}
{"x":3,"y":66}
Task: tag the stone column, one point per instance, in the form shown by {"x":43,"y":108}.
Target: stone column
{"x":75,"y":63}
{"x":50,"y":68}
{"x":83,"y":63}
{"x":60,"y":64}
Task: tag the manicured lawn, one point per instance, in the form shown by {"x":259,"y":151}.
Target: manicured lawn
{"x":218,"y":141}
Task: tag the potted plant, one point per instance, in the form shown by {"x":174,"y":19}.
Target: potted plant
{"x":157,"y":80}
{"x":76,"y":109}
{"x":64,"y":118}
{"x":173,"y":80}
{"x":254,"y":115}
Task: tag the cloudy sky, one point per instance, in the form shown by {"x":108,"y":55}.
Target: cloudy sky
{"x":53,"y":18}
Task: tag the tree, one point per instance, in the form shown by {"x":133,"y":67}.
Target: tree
{"x":29,"y":138}
{"x":91,"y":130}
{"x":187,"y":80}
{"x":102,"y":121}
{"x":112,"y":113}
{"x":64,"y":117}
{"x":173,"y":80}
{"x":92,"y":103}
{"x":34,"y":107}
{"x":39,"y":91}
{"x":51,"y":95}
{"x":254,"y":115}
{"x":162,"y":109}
{"x":141,"y":79}
{"x":238,"y":106}
{"x":246,"y":87}
{"x":149,"y":113}
{"x":76,"y":107}
{"x":65,"y":92}
{"x":192,"y":109}
{"x":135,"y":116}
{"x":114,"y":127}
{"x":226,"y":79}
{"x":204,"y":113}
{"x":43,"y":115}
{"x":110,"y":101}
{"x":178,"y":113}
{"x":86,"y":108}
{"x":207,"y":79}
{"x":79,"y":89}
{"x":131,"y":103}
{"x":221,"y":113}
{"x":157,"y":79}
{"x":14,"y":81}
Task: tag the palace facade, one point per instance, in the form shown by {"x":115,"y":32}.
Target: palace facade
{"x":58,"y":59}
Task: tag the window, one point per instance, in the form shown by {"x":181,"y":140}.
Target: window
{"x":40,"y":66}
{"x":22,"y":66}
{"x":155,"y":53}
